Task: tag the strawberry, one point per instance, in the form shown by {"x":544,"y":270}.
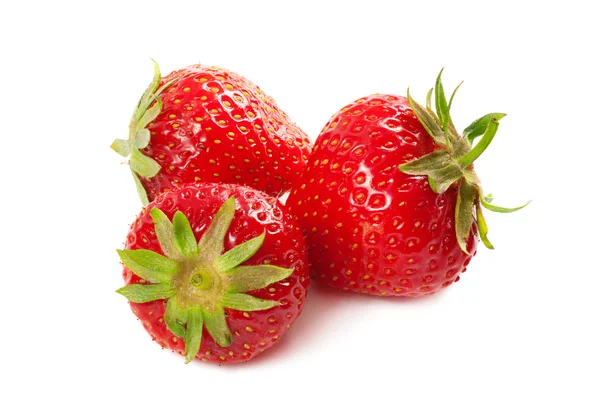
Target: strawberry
{"x":215,"y":272}
{"x":208,"y":124}
{"x":389,"y":202}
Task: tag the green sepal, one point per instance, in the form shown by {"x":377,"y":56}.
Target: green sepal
{"x":438,"y":166}
{"x":137,"y":293}
{"x":484,"y":142}
{"x":428,"y":100}
{"x":149,"y":265}
{"x":463,"y":213}
{"x":175,"y":317}
{"x":217,"y":326}
{"x":184,"y":236}
{"x":142,"y":194}
{"x":147,"y":98}
{"x":485,"y":202}
{"x":140,"y":139}
{"x":165,"y":234}
{"x":452,"y":96}
{"x":240,"y":253}
{"x":214,"y":236}
{"x":142,"y":164}
{"x":193,"y":333}
{"x":482,"y":227}
{"x":428,"y":120}
{"x":479,"y":126}
{"x":245,"y":302}
{"x":248,"y":278}
{"x":150,"y":115}
{"x":441,"y":106}
{"x":121,"y":147}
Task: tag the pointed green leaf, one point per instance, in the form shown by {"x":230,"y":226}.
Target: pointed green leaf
{"x":428,"y":100}
{"x":438,"y":166}
{"x":428,"y":120}
{"x":145,"y":293}
{"x":245,"y":302}
{"x":426,"y":163}
{"x":248,"y":278}
{"x":217,"y":326}
{"x":184,"y":236}
{"x":483,"y":228}
{"x":240,"y":253}
{"x":142,"y":164}
{"x":499,"y":209}
{"x":147,"y":97}
{"x":193,"y":333}
{"x":463,"y":214}
{"x":165,"y":234}
{"x":150,"y":114}
{"x":479,"y":126}
{"x":175,"y":317}
{"x":452,"y":96}
{"x":444,"y":178}
{"x":213,"y":239}
{"x":141,"y":139}
{"x":441,"y":106}
{"x":149,"y":265}
{"x":121,"y":147}
{"x":140,"y":189}
{"x":484,"y":142}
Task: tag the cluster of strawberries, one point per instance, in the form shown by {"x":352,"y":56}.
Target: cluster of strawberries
{"x":386,"y":202}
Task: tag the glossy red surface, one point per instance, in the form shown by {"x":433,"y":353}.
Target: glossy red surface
{"x":217,"y":126}
{"x":283,"y":246}
{"x":369,"y":227}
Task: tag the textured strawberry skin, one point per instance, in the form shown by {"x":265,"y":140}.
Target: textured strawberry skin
{"x":253,"y":332}
{"x":217,"y":126}
{"x":369,"y":227}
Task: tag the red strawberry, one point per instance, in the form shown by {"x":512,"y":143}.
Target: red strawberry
{"x":209,"y":124}
{"x":215,"y":272}
{"x":374,"y":229}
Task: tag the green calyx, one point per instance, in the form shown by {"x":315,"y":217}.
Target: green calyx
{"x":148,"y":108}
{"x":452,"y":162}
{"x":197,"y":279}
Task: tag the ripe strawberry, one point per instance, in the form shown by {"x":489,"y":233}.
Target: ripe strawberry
{"x":215,"y":272}
{"x":208,"y":124}
{"x":375,"y":229}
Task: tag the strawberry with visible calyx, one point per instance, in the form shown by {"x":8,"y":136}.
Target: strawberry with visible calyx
{"x":389,"y":201}
{"x":209,"y":124}
{"x":219,"y":285}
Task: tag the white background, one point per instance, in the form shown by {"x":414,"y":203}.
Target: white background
{"x":522,"y":322}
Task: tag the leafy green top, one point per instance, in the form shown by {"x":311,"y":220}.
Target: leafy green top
{"x":147,"y":109}
{"x":197,"y":279}
{"x":453,"y":161}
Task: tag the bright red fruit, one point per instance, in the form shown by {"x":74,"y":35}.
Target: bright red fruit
{"x":374,"y":229}
{"x":209,"y":124}
{"x":215,"y":272}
